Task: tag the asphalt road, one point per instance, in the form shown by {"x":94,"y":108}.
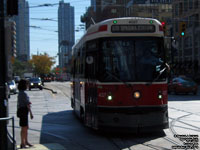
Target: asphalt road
{"x":56,"y":127}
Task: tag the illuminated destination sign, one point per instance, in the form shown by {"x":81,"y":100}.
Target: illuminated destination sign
{"x":132,"y":28}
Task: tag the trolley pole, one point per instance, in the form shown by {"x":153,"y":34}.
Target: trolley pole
{"x":3,"y":99}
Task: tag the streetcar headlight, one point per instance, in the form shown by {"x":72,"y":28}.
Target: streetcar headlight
{"x":160,"y":96}
{"x":39,"y":83}
{"x":136,"y":95}
{"x":31,"y":83}
{"x":109,"y":97}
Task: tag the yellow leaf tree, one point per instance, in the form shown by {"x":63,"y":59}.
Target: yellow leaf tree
{"x":42,"y":63}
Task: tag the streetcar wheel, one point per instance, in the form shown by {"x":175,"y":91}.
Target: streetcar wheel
{"x":72,"y":103}
{"x":82,"y":115}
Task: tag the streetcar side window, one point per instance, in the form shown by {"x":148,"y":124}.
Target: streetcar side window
{"x":79,"y":63}
{"x":91,"y":59}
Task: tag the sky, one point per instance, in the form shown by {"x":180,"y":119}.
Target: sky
{"x":43,"y":33}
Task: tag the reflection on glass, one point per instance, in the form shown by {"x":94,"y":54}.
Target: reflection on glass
{"x":132,"y":59}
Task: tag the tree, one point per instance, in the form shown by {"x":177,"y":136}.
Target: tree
{"x":42,"y":63}
{"x":19,"y":67}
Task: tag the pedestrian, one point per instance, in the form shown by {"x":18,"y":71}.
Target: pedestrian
{"x":23,"y":109}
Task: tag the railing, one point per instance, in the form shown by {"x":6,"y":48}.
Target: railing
{"x":13,"y":129}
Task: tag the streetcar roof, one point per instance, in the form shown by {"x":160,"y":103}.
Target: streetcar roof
{"x":95,"y":30}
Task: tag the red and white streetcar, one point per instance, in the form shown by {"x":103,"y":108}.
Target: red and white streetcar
{"x":119,"y":76}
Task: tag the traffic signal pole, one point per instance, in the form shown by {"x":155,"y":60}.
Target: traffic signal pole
{"x":3,"y":97}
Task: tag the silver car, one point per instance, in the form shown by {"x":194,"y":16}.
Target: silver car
{"x":12,"y":87}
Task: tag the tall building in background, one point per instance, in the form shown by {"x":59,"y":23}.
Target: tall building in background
{"x":66,"y":34}
{"x":22,"y":29}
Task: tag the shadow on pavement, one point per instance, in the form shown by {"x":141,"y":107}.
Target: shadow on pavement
{"x":65,"y":129}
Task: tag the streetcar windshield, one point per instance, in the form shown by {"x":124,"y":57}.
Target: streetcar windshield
{"x":131,"y":59}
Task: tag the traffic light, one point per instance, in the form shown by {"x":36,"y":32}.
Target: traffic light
{"x":164,"y":27}
{"x":182,"y":29}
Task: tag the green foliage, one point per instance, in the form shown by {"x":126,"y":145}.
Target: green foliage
{"x":19,"y":67}
{"x":42,"y":63}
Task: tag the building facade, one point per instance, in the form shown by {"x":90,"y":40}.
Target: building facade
{"x":22,"y":31}
{"x":10,"y":46}
{"x":105,"y":9}
{"x":66,"y":33}
{"x":187,"y":55}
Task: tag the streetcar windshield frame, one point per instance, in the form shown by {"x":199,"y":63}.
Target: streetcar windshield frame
{"x":131,"y":59}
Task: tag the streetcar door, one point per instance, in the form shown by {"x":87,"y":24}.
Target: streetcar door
{"x":77,"y":86}
{"x":73,"y":83}
{"x":91,"y":98}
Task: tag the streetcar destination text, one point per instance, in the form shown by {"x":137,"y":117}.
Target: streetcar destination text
{"x":133,"y":28}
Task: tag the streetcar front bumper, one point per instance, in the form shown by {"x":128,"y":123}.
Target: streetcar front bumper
{"x":133,"y":119}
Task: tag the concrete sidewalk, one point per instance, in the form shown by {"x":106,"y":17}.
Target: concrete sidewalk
{"x":49,"y":146}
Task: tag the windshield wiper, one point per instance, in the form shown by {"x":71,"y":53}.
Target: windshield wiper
{"x":117,"y":78}
{"x":158,"y":76}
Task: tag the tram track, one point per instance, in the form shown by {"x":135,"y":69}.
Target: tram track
{"x":184,"y":111}
{"x":174,"y":120}
{"x":120,"y":143}
{"x":61,"y":89}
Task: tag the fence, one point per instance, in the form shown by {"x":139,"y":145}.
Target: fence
{"x":13,"y":130}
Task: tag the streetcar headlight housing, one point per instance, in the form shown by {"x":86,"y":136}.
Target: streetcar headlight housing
{"x":136,"y":95}
{"x":160,"y":96}
{"x":109,"y":97}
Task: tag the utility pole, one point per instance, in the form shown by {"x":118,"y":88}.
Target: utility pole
{"x":3,"y":72}
{"x":8,"y":8}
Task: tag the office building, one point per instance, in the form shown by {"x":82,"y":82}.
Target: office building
{"x":22,"y":31}
{"x":66,"y":34}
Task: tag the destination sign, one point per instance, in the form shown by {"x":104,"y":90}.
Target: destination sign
{"x":132,"y":28}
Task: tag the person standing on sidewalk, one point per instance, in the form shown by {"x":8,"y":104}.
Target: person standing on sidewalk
{"x":23,"y":109}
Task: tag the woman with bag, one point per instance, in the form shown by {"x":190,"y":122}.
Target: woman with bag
{"x":23,"y":109}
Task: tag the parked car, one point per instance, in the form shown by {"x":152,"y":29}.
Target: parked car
{"x":35,"y":83}
{"x":182,"y":85}
{"x":12,"y":87}
{"x":7,"y":90}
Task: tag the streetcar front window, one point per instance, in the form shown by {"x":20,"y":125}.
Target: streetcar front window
{"x":131,"y":59}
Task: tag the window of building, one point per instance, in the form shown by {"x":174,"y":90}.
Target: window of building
{"x":190,"y":4}
{"x":176,"y":26}
{"x":196,"y":20}
{"x":176,"y":10}
{"x":114,"y":1}
{"x":180,"y":8}
{"x":113,"y":11}
{"x":185,"y":5}
{"x":196,"y":3}
{"x":191,"y":21}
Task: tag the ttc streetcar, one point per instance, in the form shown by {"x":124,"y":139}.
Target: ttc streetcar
{"x":119,"y":75}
